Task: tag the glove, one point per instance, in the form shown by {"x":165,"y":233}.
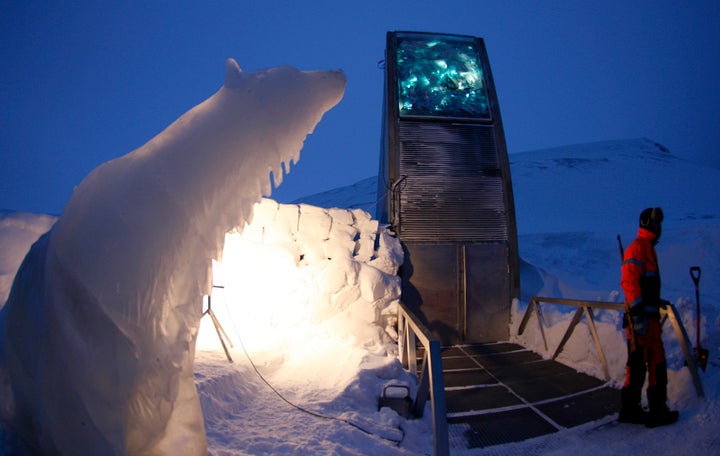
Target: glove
{"x":639,"y":318}
{"x":639,"y":324}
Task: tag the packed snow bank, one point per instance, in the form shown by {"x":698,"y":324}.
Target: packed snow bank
{"x":301,"y":279}
{"x":308,"y":302}
{"x":98,"y":333}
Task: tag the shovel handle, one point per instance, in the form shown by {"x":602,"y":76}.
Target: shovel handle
{"x":695,"y":274}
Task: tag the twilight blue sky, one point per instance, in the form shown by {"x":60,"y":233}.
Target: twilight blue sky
{"x":85,"y":82}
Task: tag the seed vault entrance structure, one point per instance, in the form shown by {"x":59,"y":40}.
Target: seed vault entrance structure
{"x":444,"y":186}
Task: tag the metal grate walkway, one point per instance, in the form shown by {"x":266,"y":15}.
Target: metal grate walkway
{"x":501,"y":392}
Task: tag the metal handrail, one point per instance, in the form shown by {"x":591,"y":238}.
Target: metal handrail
{"x":410,"y":330}
{"x":586,"y":307}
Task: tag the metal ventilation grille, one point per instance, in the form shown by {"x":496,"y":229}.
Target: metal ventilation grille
{"x":453,"y":189}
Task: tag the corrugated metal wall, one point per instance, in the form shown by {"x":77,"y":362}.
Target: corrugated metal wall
{"x":453,"y":190}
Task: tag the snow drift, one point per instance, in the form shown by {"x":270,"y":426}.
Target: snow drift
{"x":301,"y":276}
{"x":98,"y":333}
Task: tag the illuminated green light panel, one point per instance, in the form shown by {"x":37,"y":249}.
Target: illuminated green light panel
{"x":440,"y":76}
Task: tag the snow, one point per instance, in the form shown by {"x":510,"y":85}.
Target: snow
{"x":336,"y":291}
{"x":19,"y":230}
{"x":308,"y":294}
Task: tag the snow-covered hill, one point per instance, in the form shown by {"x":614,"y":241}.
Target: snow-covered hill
{"x":571,"y":203}
{"x":602,"y":186}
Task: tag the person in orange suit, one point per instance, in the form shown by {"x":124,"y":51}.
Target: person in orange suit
{"x":646,"y":355}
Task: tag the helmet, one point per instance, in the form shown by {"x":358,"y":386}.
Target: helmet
{"x":651,"y":219}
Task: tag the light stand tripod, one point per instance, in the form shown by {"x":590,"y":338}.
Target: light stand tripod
{"x":222,"y":335}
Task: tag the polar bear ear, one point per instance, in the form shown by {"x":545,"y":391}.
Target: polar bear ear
{"x":233,"y":73}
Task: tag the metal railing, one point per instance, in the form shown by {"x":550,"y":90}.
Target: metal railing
{"x":431,"y":383}
{"x":586,"y":308}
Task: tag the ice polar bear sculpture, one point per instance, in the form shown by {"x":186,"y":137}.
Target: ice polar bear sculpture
{"x":97,"y":337}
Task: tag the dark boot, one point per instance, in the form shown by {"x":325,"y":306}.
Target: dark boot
{"x":661,"y":416}
{"x":630,"y":409}
{"x":634,"y":415}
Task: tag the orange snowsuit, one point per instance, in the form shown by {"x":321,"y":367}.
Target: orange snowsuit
{"x":641,"y":276}
{"x":641,"y":284}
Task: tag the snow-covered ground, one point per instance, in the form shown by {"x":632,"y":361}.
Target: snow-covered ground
{"x":309,"y":384}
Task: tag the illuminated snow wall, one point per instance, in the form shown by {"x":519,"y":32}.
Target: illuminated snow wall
{"x":304,"y":286}
{"x":97,"y":338}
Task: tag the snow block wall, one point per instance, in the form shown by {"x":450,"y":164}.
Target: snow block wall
{"x":97,"y":338}
{"x":300,"y":276}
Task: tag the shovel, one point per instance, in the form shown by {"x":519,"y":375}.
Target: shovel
{"x":701,"y":354}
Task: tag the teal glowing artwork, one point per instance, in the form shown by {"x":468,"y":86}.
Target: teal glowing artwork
{"x":440,"y":76}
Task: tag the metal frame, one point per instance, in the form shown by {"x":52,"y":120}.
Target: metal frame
{"x":410,"y":190}
{"x":222,"y":335}
{"x":586,"y":308}
{"x":431,"y":383}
